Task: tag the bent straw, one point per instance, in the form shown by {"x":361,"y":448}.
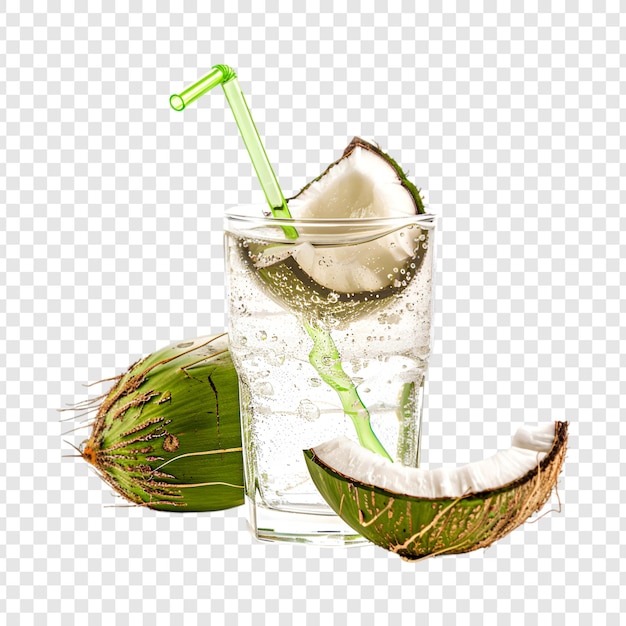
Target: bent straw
{"x":226,"y":76}
{"x":324,"y":349}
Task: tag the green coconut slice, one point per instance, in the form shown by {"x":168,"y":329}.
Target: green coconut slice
{"x":344,"y":280}
{"x":364,"y":182}
{"x":167,"y":435}
{"x":418,"y":513}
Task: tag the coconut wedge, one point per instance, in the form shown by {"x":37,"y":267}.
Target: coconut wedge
{"x":366,"y":261}
{"x":167,"y":435}
{"x":364,"y":182}
{"x":419,"y":513}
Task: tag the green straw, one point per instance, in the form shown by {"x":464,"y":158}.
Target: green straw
{"x":324,"y":356}
{"x":226,"y":76}
{"x":326,"y":360}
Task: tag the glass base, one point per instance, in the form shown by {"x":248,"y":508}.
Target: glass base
{"x":296,"y":527}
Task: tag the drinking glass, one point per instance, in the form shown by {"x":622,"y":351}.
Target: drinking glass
{"x":330,"y":334}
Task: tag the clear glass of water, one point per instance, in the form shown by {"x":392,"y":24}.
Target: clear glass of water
{"x":336,"y":318}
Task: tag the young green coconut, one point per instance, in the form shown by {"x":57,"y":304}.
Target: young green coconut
{"x":167,"y":435}
{"x":343,"y":282}
{"x":419,"y":513}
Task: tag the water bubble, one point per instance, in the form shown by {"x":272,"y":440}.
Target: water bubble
{"x":410,"y":306}
{"x":262,"y":335}
{"x":308,"y":411}
{"x":265,"y":389}
{"x":275,"y":358}
{"x":425,"y":245}
{"x":392,"y":244}
{"x":315,"y":382}
{"x":333,"y":297}
{"x":389,"y":318}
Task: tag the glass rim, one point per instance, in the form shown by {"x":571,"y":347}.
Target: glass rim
{"x":260,"y":215}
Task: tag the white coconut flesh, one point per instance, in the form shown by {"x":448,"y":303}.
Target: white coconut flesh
{"x":362,"y":184}
{"x":529,"y":446}
{"x":363,"y":267}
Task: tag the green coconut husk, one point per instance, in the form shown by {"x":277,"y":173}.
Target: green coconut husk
{"x":167,"y":435}
{"x":417,"y":528}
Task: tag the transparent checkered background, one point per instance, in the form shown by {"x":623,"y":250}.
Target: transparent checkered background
{"x":111,"y":235}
